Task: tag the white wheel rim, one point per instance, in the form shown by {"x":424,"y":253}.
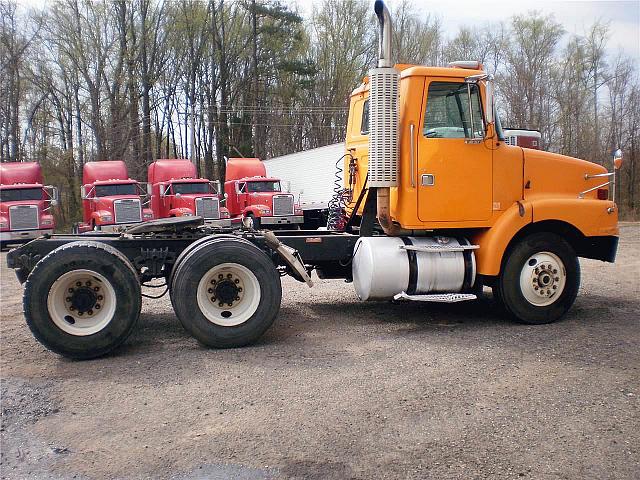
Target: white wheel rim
{"x":543,"y":278}
{"x":81,"y":302}
{"x":228,"y":283}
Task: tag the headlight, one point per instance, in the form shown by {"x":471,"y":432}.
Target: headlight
{"x":47,"y":221}
{"x":265,"y":211}
{"x":224,"y":214}
{"x":106,"y":218}
{"x":187,"y":214}
{"x":148,"y":215}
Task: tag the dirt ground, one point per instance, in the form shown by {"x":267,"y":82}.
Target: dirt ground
{"x":339,"y":389}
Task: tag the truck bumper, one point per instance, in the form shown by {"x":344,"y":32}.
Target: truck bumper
{"x":285,"y":220}
{"x":23,"y":235}
{"x":222,"y":223}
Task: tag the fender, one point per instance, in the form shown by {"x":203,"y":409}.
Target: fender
{"x":180,"y":211}
{"x":256,"y":210}
{"x":95,"y":216}
{"x":590,"y":216}
{"x":494,"y":241}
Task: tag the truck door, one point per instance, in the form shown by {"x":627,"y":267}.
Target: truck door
{"x":453,"y":172}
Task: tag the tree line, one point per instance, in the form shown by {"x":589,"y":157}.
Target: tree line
{"x":145,"y":79}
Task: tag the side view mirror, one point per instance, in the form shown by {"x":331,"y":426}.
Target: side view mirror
{"x":489,"y":107}
{"x":178,"y":195}
{"x":617,"y":159}
{"x":149,"y":189}
{"x":83,"y":192}
{"x":163,"y":193}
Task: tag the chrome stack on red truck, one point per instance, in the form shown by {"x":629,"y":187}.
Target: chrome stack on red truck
{"x":25,"y":203}
{"x":256,"y":198}
{"x":176,"y":191}
{"x":111,"y":200}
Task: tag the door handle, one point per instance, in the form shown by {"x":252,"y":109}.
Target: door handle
{"x":428,"y":180}
{"x":412,"y":155}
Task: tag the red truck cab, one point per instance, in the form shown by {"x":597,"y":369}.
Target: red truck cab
{"x":25,"y":203}
{"x":523,"y":138}
{"x":111,"y":200}
{"x":176,"y":191}
{"x":259,"y":199}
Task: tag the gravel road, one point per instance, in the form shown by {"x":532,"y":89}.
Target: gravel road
{"x":339,"y":389}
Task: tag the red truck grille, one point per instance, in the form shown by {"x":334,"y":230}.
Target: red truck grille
{"x":127,"y":211}
{"x":283,"y":205}
{"x":23,"y":217}
{"x":208,"y":208}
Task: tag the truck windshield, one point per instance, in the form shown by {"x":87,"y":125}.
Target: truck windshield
{"x":20,"y":194}
{"x":187,"y":188}
{"x":116,"y":189}
{"x":258,"y":187}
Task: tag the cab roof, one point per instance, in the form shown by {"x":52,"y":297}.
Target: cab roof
{"x":423,"y":71}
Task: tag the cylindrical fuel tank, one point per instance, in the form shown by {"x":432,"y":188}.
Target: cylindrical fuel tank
{"x":385,"y":266}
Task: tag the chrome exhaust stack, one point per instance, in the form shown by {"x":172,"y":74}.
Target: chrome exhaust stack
{"x":384,"y":122}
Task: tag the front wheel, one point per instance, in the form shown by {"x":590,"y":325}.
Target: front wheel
{"x":226,"y":292}
{"x":540,"y":279}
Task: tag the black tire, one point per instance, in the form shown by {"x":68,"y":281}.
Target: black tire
{"x":510,"y":293}
{"x":198,"y":263}
{"x":83,"y":255}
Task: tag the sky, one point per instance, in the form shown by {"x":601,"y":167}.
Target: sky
{"x":574,"y":15}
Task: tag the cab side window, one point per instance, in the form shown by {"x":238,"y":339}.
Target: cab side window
{"x":447,"y":114}
{"x":364,"y":126}
{"x":242,"y":187}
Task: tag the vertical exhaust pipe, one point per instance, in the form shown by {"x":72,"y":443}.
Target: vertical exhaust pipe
{"x":384,"y":118}
{"x":384,"y":35}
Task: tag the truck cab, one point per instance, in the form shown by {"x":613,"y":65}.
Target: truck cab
{"x":257,"y":199}
{"x":176,"y":191}
{"x":25,"y":203}
{"x":111,"y":201}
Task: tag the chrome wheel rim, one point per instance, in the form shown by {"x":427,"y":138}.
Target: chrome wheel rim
{"x":543,"y":279}
{"x":228,"y":294}
{"x":81,"y":302}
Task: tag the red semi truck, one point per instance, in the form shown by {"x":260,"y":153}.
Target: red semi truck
{"x":25,"y":203}
{"x":111,"y":200}
{"x":259,"y":199}
{"x":176,"y":191}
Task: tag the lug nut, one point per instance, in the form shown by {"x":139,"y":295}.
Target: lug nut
{"x":236,"y":281}
{"x":72,"y":308}
{"x":97,"y":307}
{"x":239,"y":289}
{"x":229,"y":275}
{"x":213,"y":299}
{"x":557,"y":279}
{"x":68,"y":299}
{"x":555,"y":287}
{"x":555,"y":271}
{"x":537,"y":270}
{"x":70,"y":290}
{"x":100,"y":297}
{"x":221,"y":304}
{"x":80,"y":314}
{"x":535,"y":280}
{"x":78,"y":284}
{"x":210,"y":290}
{"x":88,"y":283}
{"x":90,"y":312}
{"x":230,"y":304}
{"x":237,"y":298}
{"x":213,"y":282}
{"x":535,"y":288}
{"x":220,"y":276}
{"x":95,"y":289}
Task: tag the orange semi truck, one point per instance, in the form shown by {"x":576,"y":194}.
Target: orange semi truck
{"x":440,"y":206}
{"x":25,"y":203}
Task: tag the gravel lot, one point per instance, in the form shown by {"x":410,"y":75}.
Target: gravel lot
{"x":340,"y":389}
